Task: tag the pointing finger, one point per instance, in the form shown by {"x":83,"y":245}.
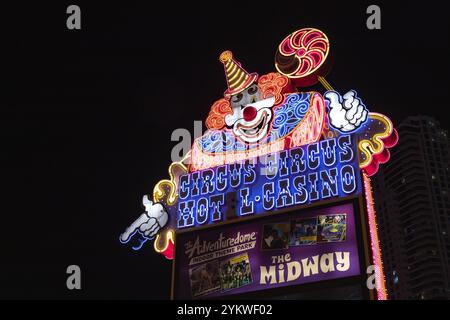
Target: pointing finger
{"x":143,"y":218}
{"x":152,"y":229}
{"x":153,"y":234}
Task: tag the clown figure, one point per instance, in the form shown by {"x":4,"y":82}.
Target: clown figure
{"x":256,"y":116}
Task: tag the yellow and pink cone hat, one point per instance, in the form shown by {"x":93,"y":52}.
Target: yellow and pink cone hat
{"x":237,"y":78}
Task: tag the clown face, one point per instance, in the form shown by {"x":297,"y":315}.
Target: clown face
{"x":251,"y":115}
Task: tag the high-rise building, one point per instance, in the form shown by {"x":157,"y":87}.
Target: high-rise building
{"x":413,"y":208}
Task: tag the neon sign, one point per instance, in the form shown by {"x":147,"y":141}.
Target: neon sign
{"x":271,"y":144}
{"x":293,"y":177}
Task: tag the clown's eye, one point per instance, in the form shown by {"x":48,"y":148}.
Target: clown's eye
{"x":252,"y":90}
{"x":237,"y":97}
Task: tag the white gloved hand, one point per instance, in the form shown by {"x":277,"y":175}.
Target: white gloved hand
{"x":149,"y":223}
{"x":346,"y":113}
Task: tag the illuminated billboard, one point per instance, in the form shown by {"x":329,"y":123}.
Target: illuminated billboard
{"x":293,"y":177}
{"x":283,"y":250}
{"x":272,"y":147}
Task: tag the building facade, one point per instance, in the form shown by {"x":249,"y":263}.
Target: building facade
{"x":413,"y":207}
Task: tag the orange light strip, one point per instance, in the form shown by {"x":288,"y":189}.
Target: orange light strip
{"x":374,"y":241}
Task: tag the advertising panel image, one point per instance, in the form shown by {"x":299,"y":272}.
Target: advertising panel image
{"x":332,"y":228}
{"x":235,"y":272}
{"x":292,"y":248}
{"x":204,"y":279}
{"x":276,"y":236}
{"x":303,"y":232}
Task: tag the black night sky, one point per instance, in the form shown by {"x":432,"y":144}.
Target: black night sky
{"x":87,"y":116}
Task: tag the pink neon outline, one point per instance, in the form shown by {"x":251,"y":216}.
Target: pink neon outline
{"x":374,"y":242}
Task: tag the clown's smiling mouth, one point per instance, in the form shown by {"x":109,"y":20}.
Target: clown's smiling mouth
{"x":255,"y":129}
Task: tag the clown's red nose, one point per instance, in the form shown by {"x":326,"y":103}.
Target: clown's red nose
{"x":250,"y":113}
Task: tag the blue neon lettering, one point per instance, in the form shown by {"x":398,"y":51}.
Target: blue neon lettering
{"x":250,"y":173}
{"x":301,"y":196}
{"x":246,"y":205}
{"x":221,"y":183}
{"x":268,"y":198}
{"x":185,"y":214}
{"x":329,"y":185}
{"x":348,"y":179}
{"x":216,"y":203}
{"x":284,"y":194}
{"x":313,"y":156}
{"x":313,"y":194}
{"x":196,"y":185}
{"x":208,"y":185}
{"x":345,"y":143}
{"x":184,"y":186}
{"x":283,"y":166}
{"x":297,"y":163}
{"x":235,"y":179}
{"x":329,"y":151}
{"x":328,"y":168}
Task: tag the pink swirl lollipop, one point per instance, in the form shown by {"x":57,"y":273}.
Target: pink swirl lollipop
{"x":301,"y":56}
